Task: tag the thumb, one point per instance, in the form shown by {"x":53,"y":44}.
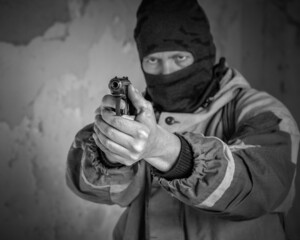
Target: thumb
{"x":145,"y":113}
{"x":137,"y":99}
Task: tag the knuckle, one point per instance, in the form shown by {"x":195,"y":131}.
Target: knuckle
{"x":145,"y":106}
{"x":115,"y":122}
{"x":105,"y":99}
{"x":98,"y":111}
{"x":138,"y":147}
{"x":106,"y":143}
{"x":147,"y":112}
{"x":135,"y":157}
{"x":97,"y":118}
{"x":148,"y":105}
{"x":109,"y":132}
{"x":95,"y":128}
{"x":128,"y":163}
{"x":143,"y":133}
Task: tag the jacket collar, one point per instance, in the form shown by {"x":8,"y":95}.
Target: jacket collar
{"x":230,"y":85}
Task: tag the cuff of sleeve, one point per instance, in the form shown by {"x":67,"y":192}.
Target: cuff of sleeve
{"x":184,"y":163}
{"x":108,"y":163}
{"x":99,"y":157}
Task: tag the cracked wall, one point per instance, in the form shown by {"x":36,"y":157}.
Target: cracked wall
{"x":54,"y":71}
{"x":56,"y":58}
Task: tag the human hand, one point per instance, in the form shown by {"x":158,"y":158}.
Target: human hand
{"x":127,"y":139}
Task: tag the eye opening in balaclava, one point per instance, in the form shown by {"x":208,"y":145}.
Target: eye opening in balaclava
{"x":176,"y":25}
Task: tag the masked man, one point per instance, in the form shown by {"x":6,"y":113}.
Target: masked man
{"x":205,"y":156}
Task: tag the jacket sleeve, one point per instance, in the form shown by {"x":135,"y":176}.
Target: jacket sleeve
{"x":89,"y":178}
{"x":251,"y":174}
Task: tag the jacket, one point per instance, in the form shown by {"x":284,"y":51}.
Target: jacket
{"x":245,"y":145}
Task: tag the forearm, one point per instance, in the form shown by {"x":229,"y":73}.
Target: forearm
{"x":167,"y":151}
{"x":243,"y":184}
{"x":245,"y":179}
{"x":89,"y":177}
{"x":74,"y":179}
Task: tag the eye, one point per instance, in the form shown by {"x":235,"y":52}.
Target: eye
{"x":181,"y":58}
{"x":152,"y":60}
{"x":151,"y":64}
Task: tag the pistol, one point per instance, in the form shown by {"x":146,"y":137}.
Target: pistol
{"x":119,"y":89}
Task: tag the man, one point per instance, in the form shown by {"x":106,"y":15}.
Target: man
{"x":205,"y":156}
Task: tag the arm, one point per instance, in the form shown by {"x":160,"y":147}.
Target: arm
{"x":250,"y":175}
{"x":129,"y":139}
{"x":106,"y":162}
{"x":92,"y":180}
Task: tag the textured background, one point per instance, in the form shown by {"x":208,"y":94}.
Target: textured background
{"x":56,"y":57}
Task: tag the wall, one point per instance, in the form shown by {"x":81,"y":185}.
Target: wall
{"x":56,"y":58}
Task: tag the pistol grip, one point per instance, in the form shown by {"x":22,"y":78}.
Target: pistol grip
{"x":118,"y":104}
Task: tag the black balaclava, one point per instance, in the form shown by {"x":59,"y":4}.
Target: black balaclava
{"x":176,"y":25}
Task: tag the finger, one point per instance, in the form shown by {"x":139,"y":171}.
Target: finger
{"x":99,"y":144}
{"x":136,"y":98}
{"x":110,"y":156}
{"x":125,"y":125}
{"x":110,"y":102}
{"x":144,"y":108}
{"x":119,"y":159}
{"x":121,"y":155}
{"x":134,"y":146}
{"x":130,"y":117}
{"x":98,"y":111}
{"x":114,"y":135}
{"x":111,"y":145}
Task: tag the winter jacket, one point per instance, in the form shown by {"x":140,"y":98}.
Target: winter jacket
{"x":244,"y":152}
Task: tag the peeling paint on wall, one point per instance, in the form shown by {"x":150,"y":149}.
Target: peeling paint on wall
{"x":52,"y":80}
{"x":19,"y":18}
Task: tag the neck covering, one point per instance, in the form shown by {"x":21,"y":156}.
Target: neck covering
{"x":176,"y":25}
